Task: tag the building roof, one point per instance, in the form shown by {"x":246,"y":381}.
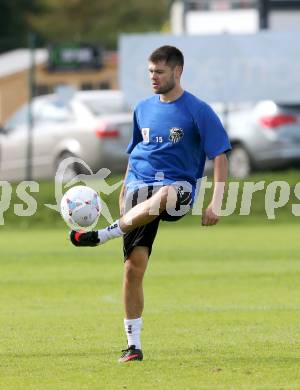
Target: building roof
{"x":19,"y":60}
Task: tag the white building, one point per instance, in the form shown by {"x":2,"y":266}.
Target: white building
{"x":233,"y":16}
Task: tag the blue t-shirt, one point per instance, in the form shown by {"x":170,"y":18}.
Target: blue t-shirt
{"x":172,"y":140}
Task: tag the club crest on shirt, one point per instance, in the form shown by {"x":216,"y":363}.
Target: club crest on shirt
{"x":176,"y":134}
{"x":145,"y":134}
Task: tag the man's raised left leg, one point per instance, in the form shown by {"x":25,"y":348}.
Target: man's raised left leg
{"x":141,"y":214}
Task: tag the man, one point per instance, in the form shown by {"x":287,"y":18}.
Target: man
{"x":173,"y":134}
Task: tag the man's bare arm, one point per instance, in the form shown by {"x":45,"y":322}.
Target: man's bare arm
{"x":210,"y":215}
{"x":122,"y":193}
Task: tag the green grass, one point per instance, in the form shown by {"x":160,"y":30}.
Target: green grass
{"x":222,"y":311}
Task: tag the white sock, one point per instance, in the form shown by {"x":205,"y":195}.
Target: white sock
{"x":133,"y":332}
{"x":112,"y":231}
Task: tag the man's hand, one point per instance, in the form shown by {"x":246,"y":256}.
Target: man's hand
{"x":209,"y":218}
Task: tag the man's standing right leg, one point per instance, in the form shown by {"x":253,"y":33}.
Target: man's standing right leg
{"x":133,"y":296}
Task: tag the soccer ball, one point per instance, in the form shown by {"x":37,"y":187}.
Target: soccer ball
{"x":80,"y":207}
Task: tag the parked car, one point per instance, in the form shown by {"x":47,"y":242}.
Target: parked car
{"x":92,"y":125}
{"x":263,"y":136}
{"x":96,"y":127}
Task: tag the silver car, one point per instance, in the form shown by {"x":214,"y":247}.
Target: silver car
{"x":94,"y":126}
{"x":263,"y":136}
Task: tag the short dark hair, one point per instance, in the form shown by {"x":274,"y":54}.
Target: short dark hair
{"x":170,"y":54}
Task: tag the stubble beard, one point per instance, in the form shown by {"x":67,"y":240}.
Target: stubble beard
{"x":166,"y":88}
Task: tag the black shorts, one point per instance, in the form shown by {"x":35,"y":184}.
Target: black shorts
{"x":145,"y":235}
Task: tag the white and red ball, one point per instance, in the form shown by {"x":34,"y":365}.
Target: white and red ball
{"x":80,"y":207}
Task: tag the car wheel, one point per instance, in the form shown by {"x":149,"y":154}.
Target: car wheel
{"x":71,"y":170}
{"x":239,"y":162}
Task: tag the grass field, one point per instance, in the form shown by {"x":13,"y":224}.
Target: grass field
{"x":222,"y":311}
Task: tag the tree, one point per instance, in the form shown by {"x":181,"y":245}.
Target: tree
{"x":14,"y":25}
{"x":97,"y":21}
